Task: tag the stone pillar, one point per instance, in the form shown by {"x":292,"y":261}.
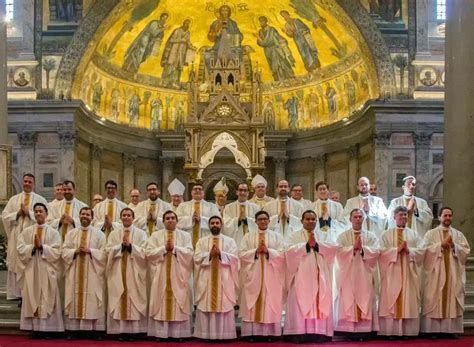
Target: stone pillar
{"x":422,"y":142}
{"x":67,"y":139}
{"x":459,"y":117}
{"x":382,"y":160}
{"x":166,"y":177}
{"x":3,"y":77}
{"x":129,"y":161}
{"x":422,"y":44}
{"x":96,"y":185}
{"x":27,"y":140}
{"x":280,"y":168}
{"x":319,"y":171}
{"x":353,"y":170}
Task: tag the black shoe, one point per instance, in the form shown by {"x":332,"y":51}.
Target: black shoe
{"x":122,"y":338}
{"x":99,"y":337}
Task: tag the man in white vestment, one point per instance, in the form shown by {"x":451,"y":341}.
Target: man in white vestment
{"x":169,"y":254}
{"x":260,"y":198}
{"x":149,"y":213}
{"x":96,"y":199}
{"x":296,"y":193}
{"x":334,"y":195}
{"x":373,"y":189}
{"x":215,"y":280}
{"x":176,"y":190}
{"x":17,"y":216}
{"x":193,"y":215}
{"x":375,"y":212}
{"x":85,"y":259}
{"x":134,"y":198}
{"x":220,"y":195}
{"x":355,"y":303}
{"x":420,"y":215}
{"x":331,"y":219}
{"x":445,"y":277}
{"x":126,"y":279}
{"x":239,"y":216}
{"x":262,"y":266}
{"x":58,"y":195}
{"x":309,"y":267}
{"x":64,"y":216}
{"x":400,"y":263}
{"x":39,"y":251}
{"x":107,"y":212}
{"x":285,"y":213}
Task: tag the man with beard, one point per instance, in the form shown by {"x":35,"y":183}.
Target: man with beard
{"x":445,"y":271}
{"x":262,"y":280}
{"x":149,"y":213}
{"x":309,"y":303}
{"x":296,"y":194}
{"x":126,"y":279}
{"x":239,"y":215}
{"x":64,"y":216}
{"x":84,"y":257}
{"x":39,"y":250}
{"x":17,"y":216}
{"x":194,"y":215}
{"x":216,"y":279}
{"x":107,"y":212}
{"x":169,"y":254}
{"x":285,"y":213}
{"x":260,"y":197}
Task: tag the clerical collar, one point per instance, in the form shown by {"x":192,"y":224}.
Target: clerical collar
{"x":85,"y":228}
{"x":169,"y":231}
{"x":153,"y":200}
{"x":407,"y":196}
{"x":256,"y":197}
{"x":323,"y":200}
{"x":280,"y":199}
{"x":242,"y":202}
{"x":262,"y":231}
{"x":357,"y":231}
{"x":107,"y":199}
{"x":41,"y":225}
{"x":309,"y":231}
{"x":364,"y":196}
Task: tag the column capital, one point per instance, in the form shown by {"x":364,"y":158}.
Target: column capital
{"x":28,"y":138}
{"x":422,"y":139}
{"x":353,"y":152}
{"x":96,"y":152}
{"x":280,"y":160}
{"x":129,"y":160}
{"x":382,"y":139}
{"x":319,"y":161}
{"x":66,"y":138}
{"x":167,"y":161}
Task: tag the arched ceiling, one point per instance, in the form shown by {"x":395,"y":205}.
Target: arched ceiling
{"x":311,"y":57}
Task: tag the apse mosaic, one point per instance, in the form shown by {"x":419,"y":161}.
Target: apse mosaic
{"x":313,"y":63}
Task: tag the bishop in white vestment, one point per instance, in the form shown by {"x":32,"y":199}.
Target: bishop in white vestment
{"x":169,"y":254}
{"x":445,"y":277}
{"x":215,"y":281}
{"x":176,"y":190}
{"x":260,"y":197}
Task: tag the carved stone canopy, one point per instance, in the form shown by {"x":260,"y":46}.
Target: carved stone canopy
{"x":225,"y":109}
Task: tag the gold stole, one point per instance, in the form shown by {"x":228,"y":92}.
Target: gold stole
{"x":260,"y":303}
{"x":399,"y":302}
{"x":196,"y":226}
{"x":151,"y":224}
{"x":367,"y":220}
{"x":81,"y":276}
{"x":242,"y":215}
{"x":215,"y":278}
{"x":169,"y":297}
{"x":410,"y":214}
{"x":324,"y":212}
{"x":311,"y":237}
{"x":283,"y":210}
{"x":445,"y":291}
{"x":110,"y":213}
{"x":67,"y":212}
{"x":124,"y":263}
{"x":357,"y":237}
{"x":27,"y":200}
{"x":39,"y":233}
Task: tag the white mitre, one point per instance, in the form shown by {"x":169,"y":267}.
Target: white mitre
{"x":221,"y":187}
{"x":259,"y":179}
{"x":176,"y":187}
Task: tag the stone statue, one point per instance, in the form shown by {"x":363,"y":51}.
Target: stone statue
{"x":269,"y":116}
{"x":188,"y":148}
{"x":332,"y":102}
{"x":144,"y":44}
{"x":276,"y":50}
{"x":115,"y":104}
{"x":156,"y":113}
{"x":301,"y":34}
{"x":97,"y":95}
{"x":134,"y":109}
{"x":291,"y":106}
{"x":262,"y":151}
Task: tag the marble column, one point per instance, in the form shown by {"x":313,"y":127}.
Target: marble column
{"x":422,"y":142}
{"x":280,"y":168}
{"x":3,"y":77}
{"x":67,"y":139}
{"x":27,"y":140}
{"x":382,"y":160}
{"x":128,"y":183}
{"x":319,"y":171}
{"x":166,"y":177}
{"x":96,"y":156}
{"x":353,"y":170}
{"x":459,"y":117}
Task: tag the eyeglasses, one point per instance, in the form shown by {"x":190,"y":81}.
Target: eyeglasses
{"x":243,"y":190}
{"x":263,"y":218}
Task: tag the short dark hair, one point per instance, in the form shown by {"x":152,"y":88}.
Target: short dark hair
{"x":127,"y":209}
{"x":399,"y":209}
{"x":29,"y":175}
{"x":296,"y":185}
{"x":354,"y":211}
{"x":214,"y":217}
{"x":152,"y":183}
{"x":321,"y":183}
{"x":59,"y":184}
{"x":440,"y":212}
{"x":40,"y":204}
{"x":66,"y":182}
{"x":87,"y":208}
{"x":112,"y":182}
{"x":169,"y":212}
{"x":308,"y":211}
{"x":260,"y":213}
